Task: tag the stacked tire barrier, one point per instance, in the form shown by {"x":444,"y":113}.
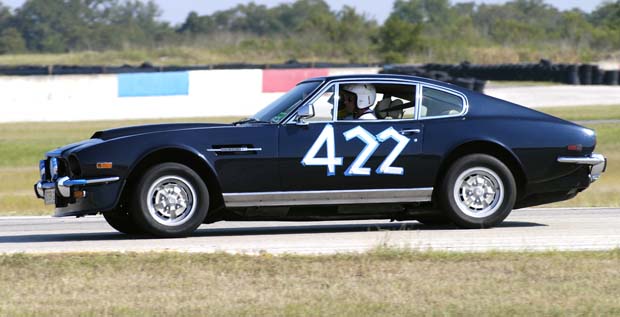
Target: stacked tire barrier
{"x":545,"y":70}
{"x":461,"y":79}
{"x":32,"y":70}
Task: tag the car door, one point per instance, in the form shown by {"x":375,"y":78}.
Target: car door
{"x":244,"y":157}
{"x":345,"y":155}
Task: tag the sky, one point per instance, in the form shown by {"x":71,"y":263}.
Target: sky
{"x":175,"y":11}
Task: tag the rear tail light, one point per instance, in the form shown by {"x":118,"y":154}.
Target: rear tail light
{"x":575,"y":147}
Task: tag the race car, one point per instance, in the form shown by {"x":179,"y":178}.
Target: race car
{"x":342,"y":147}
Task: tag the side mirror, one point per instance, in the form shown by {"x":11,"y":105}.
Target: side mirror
{"x":305,"y":112}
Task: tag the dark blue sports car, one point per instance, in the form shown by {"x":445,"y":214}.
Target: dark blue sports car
{"x":346,"y":147}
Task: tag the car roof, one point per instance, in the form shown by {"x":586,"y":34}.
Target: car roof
{"x":387,"y":76}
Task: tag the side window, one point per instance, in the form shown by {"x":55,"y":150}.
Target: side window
{"x":395,"y":102}
{"x":383,"y":101}
{"x":436,"y":103}
{"x":323,"y":106}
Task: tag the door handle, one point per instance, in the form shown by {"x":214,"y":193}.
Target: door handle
{"x":410,"y":131}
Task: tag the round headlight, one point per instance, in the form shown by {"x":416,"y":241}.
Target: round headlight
{"x":42,"y":169}
{"x":54,"y":168}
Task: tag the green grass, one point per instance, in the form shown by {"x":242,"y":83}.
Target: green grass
{"x":239,"y":48}
{"x":382,"y":282}
{"x":584,"y":113}
{"x":168,"y":56}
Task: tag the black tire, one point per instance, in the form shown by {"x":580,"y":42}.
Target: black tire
{"x":166,"y":186}
{"x":122,"y":222}
{"x":434,"y":220}
{"x":462,"y":202}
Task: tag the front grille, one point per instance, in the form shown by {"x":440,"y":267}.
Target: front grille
{"x":48,"y":175}
{"x":74,"y":167}
{"x":63,"y":168}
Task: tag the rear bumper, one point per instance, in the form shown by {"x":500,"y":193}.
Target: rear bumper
{"x":597,"y":162}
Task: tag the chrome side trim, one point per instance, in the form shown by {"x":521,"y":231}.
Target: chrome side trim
{"x":235,"y":149}
{"x":328,"y":197}
{"x":418,"y":102}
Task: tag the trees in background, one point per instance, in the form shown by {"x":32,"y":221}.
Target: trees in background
{"x":434,"y":29}
{"x":73,"y":25}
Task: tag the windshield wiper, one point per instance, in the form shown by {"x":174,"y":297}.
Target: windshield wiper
{"x":249,"y":120}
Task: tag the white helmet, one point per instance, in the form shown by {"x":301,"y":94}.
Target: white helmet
{"x":366,"y":94}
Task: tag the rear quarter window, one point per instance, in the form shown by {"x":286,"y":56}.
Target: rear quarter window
{"x":438,"y":103}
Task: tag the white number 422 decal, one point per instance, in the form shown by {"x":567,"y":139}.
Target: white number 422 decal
{"x":357,"y":167}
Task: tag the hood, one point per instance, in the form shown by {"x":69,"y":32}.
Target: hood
{"x":142,"y":129}
{"x":73,"y":146}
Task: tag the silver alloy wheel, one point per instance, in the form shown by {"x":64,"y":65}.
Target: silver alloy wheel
{"x":478,"y":192}
{"x":171,"y":201}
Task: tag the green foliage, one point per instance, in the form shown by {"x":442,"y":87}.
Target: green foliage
{"x":431,"y":30}
{"x":70,"y":25}
{"x":11,"y":41}
{"x":398,"y":38}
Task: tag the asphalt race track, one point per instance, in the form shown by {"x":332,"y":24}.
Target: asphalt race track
{"x":528,"y":229}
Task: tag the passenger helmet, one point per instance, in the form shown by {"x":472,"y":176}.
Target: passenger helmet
{"x":366,"y":94}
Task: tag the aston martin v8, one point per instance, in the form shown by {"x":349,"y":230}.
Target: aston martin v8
{"x":343,"y":147}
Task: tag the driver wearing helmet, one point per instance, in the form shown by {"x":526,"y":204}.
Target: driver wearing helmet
{"x":357,"y":100}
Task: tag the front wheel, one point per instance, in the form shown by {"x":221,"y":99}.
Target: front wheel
{"x":433,"y":220}
{"x":122,"y":222}
{"x":170,"y":200}
{"x":478,"y":191}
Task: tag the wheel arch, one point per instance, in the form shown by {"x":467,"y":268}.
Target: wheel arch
{"x":491,"y":148}
{"x":183,"y":156}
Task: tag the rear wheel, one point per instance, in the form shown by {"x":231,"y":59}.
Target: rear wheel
{"x":171,"y":200}
{"x":478,"y":191}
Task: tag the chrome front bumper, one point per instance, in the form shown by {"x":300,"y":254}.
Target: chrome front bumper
{"x":597,"y":162}
{"x":64,"y":185}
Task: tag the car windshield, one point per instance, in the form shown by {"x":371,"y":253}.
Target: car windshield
{"x":282,"y":106}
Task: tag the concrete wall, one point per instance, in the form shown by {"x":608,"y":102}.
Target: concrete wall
{"x":211,"y":93}
{"x":149,"y":95}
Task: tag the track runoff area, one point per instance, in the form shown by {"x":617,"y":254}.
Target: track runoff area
{"x":536,"y":229}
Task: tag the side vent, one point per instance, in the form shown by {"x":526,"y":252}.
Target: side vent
{"x":234,"y":149}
